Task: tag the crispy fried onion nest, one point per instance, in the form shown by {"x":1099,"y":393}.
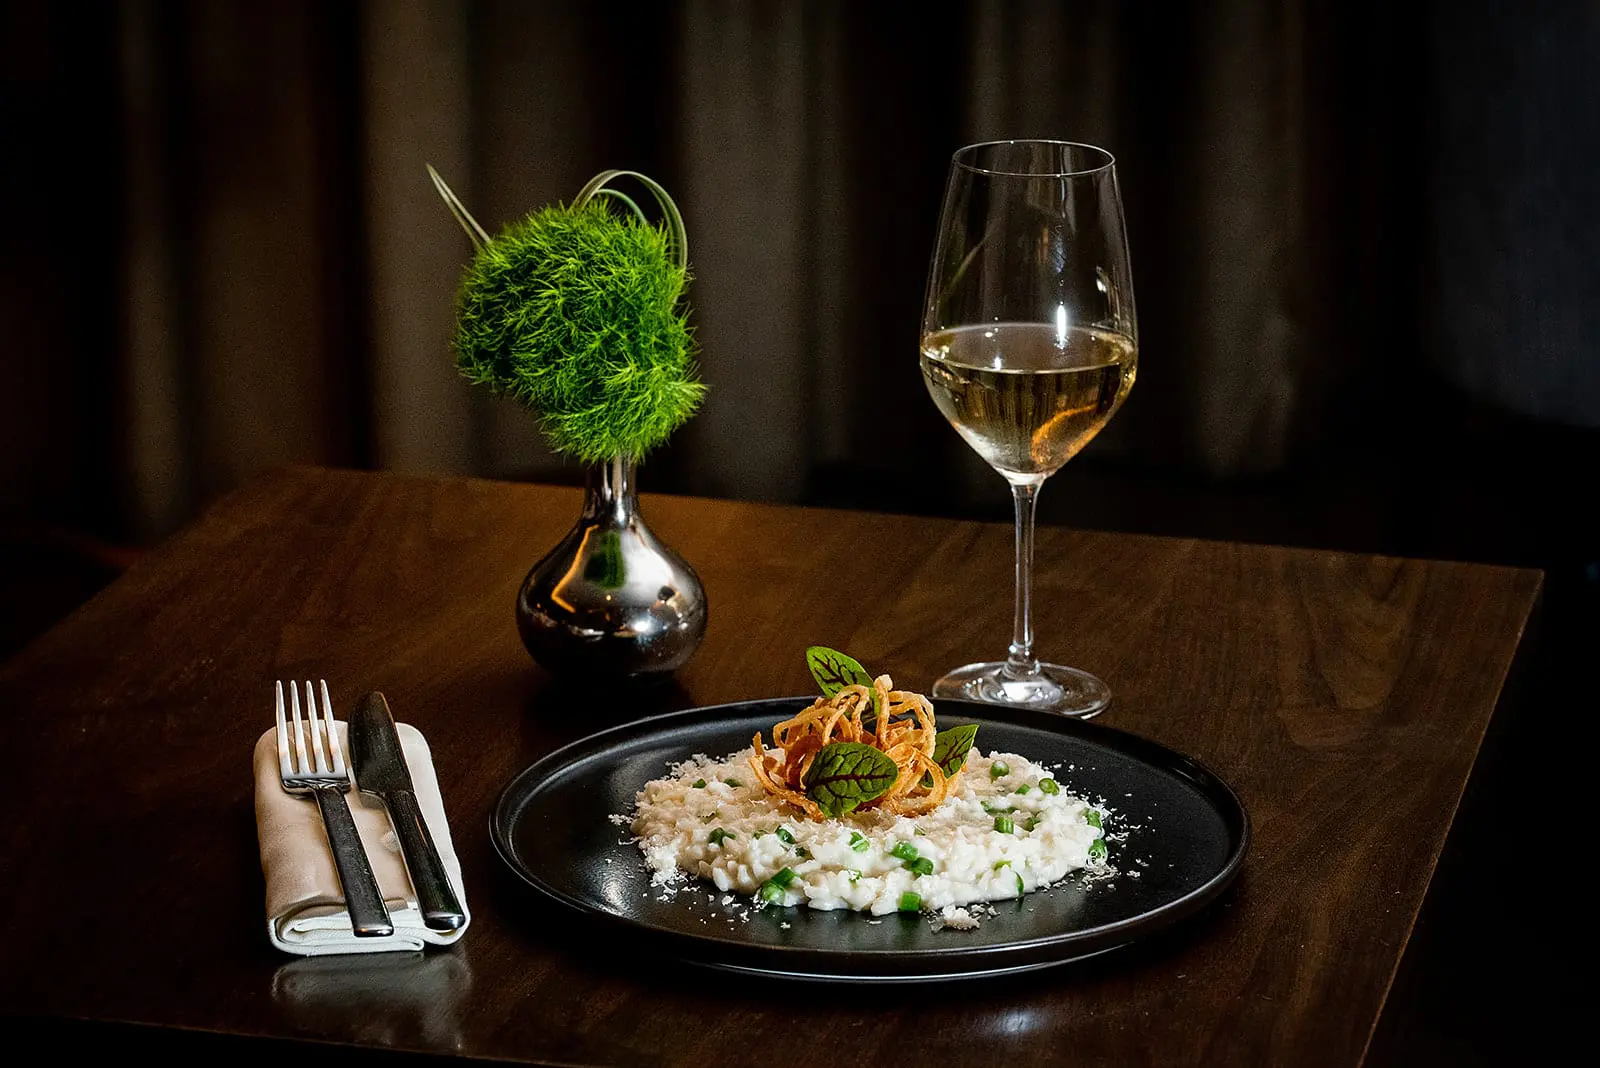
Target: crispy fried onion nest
{"x":905,"y":735}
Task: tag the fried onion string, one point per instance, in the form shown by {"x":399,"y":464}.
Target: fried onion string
{"x":900,"y":723}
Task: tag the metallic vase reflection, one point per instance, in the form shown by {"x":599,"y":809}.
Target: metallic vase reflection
{"x":611,"y":599}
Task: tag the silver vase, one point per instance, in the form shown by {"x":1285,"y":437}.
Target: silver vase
{"x":611,"y":600}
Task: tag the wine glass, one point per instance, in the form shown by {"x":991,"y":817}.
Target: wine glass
{"x":1029,"y":346}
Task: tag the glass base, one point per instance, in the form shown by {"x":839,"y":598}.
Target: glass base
{"x":1063,"y":690}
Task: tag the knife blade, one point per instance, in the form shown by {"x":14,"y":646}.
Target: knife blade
{"x":381,"y":771}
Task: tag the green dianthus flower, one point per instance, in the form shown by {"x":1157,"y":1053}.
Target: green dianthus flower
{"x":578,"y":313}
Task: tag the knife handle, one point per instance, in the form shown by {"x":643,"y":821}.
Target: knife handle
{"x":436,"y":898}
{"x":369,"y":917}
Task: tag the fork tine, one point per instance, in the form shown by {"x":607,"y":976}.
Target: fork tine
{"x":319,"y":744}
{"x":304,"y":765}
{"x":284,"y":767}
{"x":333,"y":735}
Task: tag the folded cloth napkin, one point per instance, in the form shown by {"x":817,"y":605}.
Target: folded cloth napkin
{"x":305,"y":908}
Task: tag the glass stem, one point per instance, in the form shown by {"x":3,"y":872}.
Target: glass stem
{"x":1021,"y":663}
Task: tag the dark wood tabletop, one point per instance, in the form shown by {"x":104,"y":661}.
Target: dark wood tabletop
{"x":1344,"y":697}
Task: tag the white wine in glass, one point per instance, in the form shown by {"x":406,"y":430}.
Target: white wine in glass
{"x":1029,"y":347}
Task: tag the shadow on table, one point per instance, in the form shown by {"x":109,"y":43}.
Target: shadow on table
{"x":557,"y":711}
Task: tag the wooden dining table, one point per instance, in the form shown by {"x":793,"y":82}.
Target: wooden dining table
{"x":1343,"y":697}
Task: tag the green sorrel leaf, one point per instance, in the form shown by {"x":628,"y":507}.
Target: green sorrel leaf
{"x":846,"y":775}
{"x":950,"y":747}
{"x":834,"y":671}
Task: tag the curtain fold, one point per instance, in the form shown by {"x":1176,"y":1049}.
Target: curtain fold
{"x":416,"y":111}
{"x":749,"y":178}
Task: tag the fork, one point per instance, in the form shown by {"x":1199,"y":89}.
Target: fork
{"x":318,"y":768}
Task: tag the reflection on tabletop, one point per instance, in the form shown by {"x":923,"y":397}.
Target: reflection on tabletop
{"x":400,"y":1000}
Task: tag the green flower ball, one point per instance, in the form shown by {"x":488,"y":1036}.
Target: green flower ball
{"x":577,"y":313}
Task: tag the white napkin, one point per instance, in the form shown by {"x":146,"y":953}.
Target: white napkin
{"x":305,"y":909}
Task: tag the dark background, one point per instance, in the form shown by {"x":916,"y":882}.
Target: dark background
{"x":1364,"y":243}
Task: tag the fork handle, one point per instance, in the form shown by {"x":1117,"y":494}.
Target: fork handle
{"x":436,"y":898}
{"x":369,"y":916}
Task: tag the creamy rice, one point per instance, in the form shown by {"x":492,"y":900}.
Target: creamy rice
{"x":851,"y":862}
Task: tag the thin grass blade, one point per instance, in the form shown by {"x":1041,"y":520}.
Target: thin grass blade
{"x":677,"y":233}
{"x":478,"y":235}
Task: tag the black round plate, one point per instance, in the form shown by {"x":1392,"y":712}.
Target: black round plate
{"x":1178,"y":835}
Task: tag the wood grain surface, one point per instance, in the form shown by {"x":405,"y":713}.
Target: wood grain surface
{"x":1344,"y":697}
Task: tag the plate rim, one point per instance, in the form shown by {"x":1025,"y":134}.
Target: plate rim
{"x":1072,"y":945}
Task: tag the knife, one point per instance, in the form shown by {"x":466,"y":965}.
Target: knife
{"x":381,"y":771}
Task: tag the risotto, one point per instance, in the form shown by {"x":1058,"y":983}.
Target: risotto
{"x":1004,"y":829}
